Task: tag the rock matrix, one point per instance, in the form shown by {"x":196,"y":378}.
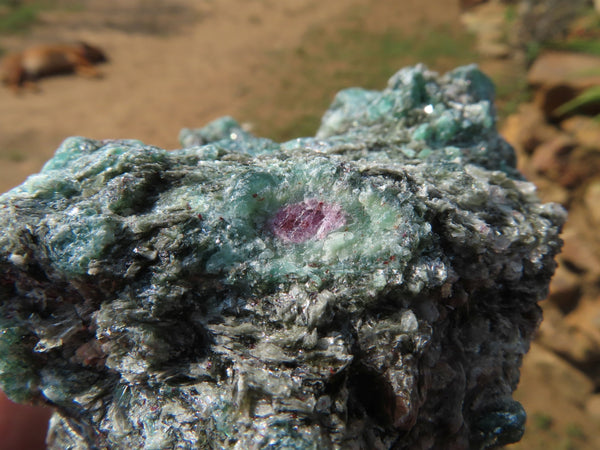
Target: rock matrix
{"x":372,"y":287}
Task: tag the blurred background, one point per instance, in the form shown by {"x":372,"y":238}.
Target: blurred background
{"x":276,"y":64}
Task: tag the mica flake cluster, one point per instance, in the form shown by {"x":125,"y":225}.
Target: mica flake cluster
{"x":372,"y":287}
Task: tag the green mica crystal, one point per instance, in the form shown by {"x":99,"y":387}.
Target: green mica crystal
{"x":346,"y":290}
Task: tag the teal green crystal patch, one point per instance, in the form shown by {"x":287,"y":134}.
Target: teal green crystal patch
{"x":377,"y":224}
{"x":18,"y":376}
{"x":80,"y":236}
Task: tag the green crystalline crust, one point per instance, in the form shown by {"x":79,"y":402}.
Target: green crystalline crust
{"x":150,"y":297}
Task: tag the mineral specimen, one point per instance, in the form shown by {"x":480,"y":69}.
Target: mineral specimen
{"x":373,"y":287}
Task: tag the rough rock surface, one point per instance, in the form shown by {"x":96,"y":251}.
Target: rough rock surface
{"x":561,"y":158}
{"x":561,"y":76}
{"x":373,"y":287}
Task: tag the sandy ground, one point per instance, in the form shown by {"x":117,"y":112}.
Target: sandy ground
{"x":211,"y":65}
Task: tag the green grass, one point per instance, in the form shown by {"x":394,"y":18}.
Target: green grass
{"x":511,"y":14}
{"x":14,"y":156}
{"x":574,"y":431}
{"x":589,"y":46}
{"x":588,"y":97}
{"x":542,"y":421}
{"x":371,"y":58}
{"x":585,"y":35}
{"x":328,"y":60}
{"x":18,"y":17}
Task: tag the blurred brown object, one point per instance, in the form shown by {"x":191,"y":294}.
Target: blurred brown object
{"x":486,"y":22}
{"x":543,"y":21}
{"x":466,"y":4}
{"x":24,"y":68}
{"x":554,"y":68}
{"x":22,"y":427}
{"x":593,"y":407}
{"x":559,"y":77}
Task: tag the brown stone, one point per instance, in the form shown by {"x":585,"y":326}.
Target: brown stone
{"x":553,"y":68}
{"x":577,"y":251}
{"x":547,"y":190}
{"x":564,"y":339}
{"x":586,"y":130}
{"x":591,"y":199}
{"x":564,"y":161}
{"x":565,"y":289}
{"x":582,"y":164}
{"x":560,"y":77}
{"x":586,"y":319}
{"x":549,"y":98}
{"x":550,"y":157}
{"x":527,"y":129}
{"x":581,"y":249}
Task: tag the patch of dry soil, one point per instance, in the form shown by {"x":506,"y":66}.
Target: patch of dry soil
{"x":173,"y":64}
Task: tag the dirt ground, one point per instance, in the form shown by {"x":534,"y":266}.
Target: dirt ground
{"x":179,"y":63}
{"x":182,"y":63}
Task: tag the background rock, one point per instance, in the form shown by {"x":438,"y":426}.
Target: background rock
{"x":554,"y":68}
{"x":562,"y":156}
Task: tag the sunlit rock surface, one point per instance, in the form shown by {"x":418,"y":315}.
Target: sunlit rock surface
{"x":373,"y":287}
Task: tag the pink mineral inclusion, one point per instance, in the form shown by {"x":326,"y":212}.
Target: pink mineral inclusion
{"x":302,"y":221}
